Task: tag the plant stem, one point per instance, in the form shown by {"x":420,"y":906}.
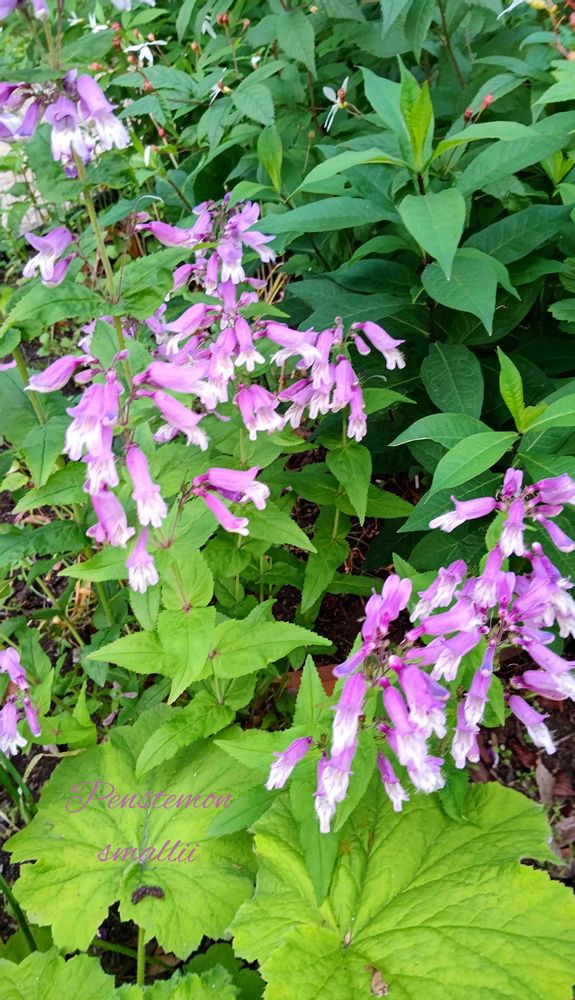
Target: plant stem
{"x":335,"y":524}
{"x":27,"y":797}
{"x":141,"y":971}
{"x":24,"y":925}
{"x":447,"y":41}
{"x":122,"y":950}
{"x":103,"y":599}
{"x":25,"y":376}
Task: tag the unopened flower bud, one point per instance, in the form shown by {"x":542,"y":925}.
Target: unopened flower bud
{"x":487,"y":101}
{"x":132,"y":59}
{"x":147,"y":86}
{"x":313,"y":9}
{"x":195,"y":47}
{"x":161,"y":132}
{"x":311,"y":136}
{"x":116,"y":26}
{"x":246,"y":23}
{"x":222,"y":19}
{"x":117,"y":42}
{"x":468,"y":114}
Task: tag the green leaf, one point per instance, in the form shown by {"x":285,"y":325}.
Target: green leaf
{"x":274,"y":525}
{"x":560,"y":413}
{"x":452,"y":377}
{"x":312,"y":705}
{"x":472,"y":287}
{"x":511,"y":388}
{"x":296,"y":37}
{"x":47,"y":305}
{"x":45,"y":975}
{"x":242,"y":647}
{"x":247,"y":809}
{"x":140,"y":651}
{"x":65,"y":486}
{"x":322,"y":216}
{"x":345,"y":161}
{"x":506,"y":131}
{"x":146,"y":606}
{"x":270,"y":153}
{"x":433,"y":907}
{"x":321,"y":566}
{"x":436,"y":221}
{"x":417,"y":111}
{"x":145,"y":282}
{"x":517,"y":235}
{"x":203,"y":717}
{"x":70,"y":888}
{"x":43,"y":446}
{"x":444,"y":428}
{"x":255,"y":102}
{"x":108,"y":564}
{"x":186,"y":580}
{"x":470,"y":457}
{"x":184,"y":17}
{"x":351,"y":466}
{"x":563,"y":311}
{"x":186,"y":638}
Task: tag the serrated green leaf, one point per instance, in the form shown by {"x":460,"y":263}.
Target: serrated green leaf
{"x":71,"y":889}
{"x":65,"y":486}
{"x":255,"y":102}
{"x":43,"y":446}
{"x":186,"y":638}
{"x":242,"y":647}
{"x":45,"y":975}
{"x":296,"y":36}
{"x":428,"y":904}
{"x":203,"y":717}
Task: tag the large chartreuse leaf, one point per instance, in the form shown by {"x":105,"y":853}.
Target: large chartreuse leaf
{"x":430,"y":907}
{"x":48,"y":976}
{"x":44,"y":975}
{"x":70,"y":889}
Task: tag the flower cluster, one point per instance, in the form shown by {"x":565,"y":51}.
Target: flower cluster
{"x":82,"y":120}
{"x":17,"y":705}
{"x":457,"y":614}
{"x":49,"y":260}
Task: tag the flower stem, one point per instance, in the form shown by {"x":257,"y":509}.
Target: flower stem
{"x":25,"y":376}
{"x":141,"y":970}
{"x":19,"y":915}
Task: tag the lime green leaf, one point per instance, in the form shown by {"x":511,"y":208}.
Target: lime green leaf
{"x":48,"y":976}
{"x":274,"y":525}
{"x":418,"y":903}
{"x":270,"y":153}
{"x":140,"y":651}
{"x":47,"y":305}
{"x":63,"y":487}
{"x":108,"y":564}
{"x":203,"y":717}
{"x":560,"y":413}
{"x":351,"y":466}
{"x":242,"y":647}
{"x":186,"y":580}
{"x":186,"y":638}
{"x":511,"y":388}
{"x":436,"y":221}
{"x":312,"y":709}
{"x":70,"y":887}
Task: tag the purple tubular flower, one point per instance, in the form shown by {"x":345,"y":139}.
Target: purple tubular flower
{"x":286,"y":760}
{"x":101,"y":466}
{"x":97,"y":409}
{"x":512,"y":482}
{"x":557,"y":536}
{"x":142,"y":572}
{"x":10,"y":664}
{"x":464,"y":746}
{"x":450,"y":652}
{"x":546,"y":658}
{"x":323,"y":804}
{"x":465,"y":510}
{"x":32,"y":717}
{"x":352,"y":663}
{"x":441,"y":591}
{"x":96,"y":108}
{"x":426,"y":700}
{"x":6,"y":8}
{"x":67,"y":137}
{"x":49,"y":248}
{"x":337,"y":774}
{"x":229,"y":521}
{"x":383,"y":343}
{"x":257,"y":408}
{"x":163,"y":375}
{"x":555,"y":687}
{"x":111,"y":525}
{"x":56,"y":375}
{"x":534,"y":722}
{"x":181,"y":419}
{"x":236,"y":485}
{"x":10,"y":739}
{"x":172,"y":236}
{"x":347,"y":714}
{"x":477,"y":697}
{"x":463,"y":615}
{"x":556,"y":490}
{"x":150,"y":505}
{"x":391,"y":783}
{"x":511,"y":541}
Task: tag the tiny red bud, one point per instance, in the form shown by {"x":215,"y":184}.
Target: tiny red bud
{"x":223,"y":19}
{"x":161,"y":132}
{"x":246,"y":22}
{"x":468,"y":113}
{"x":132,"y":59}
{"x":147,"y":86}
{"x":117,"y":42}
{"x":195,"y":47}
{"x":116,"y":26}
{"x":487,"y":101}
{"x":151,"y":37}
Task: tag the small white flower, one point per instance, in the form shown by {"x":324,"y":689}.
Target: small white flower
{"x":218,"y":88}
{"x":207,"y":28}
{"x":94,"y":26}
{"x":254,"y":61}
{"x":338,"y":101}
{"x":145,"y":54}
